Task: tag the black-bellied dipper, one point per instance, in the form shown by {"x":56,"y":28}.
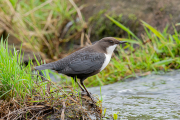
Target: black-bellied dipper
{"x":85,"y":62}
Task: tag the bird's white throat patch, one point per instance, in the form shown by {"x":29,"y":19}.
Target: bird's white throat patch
{"x":110,"y":49}
{"x":108,"y":55}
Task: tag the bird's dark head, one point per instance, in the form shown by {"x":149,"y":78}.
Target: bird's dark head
{"x":108,"y":44}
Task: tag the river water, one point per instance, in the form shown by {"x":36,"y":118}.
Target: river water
{"x":151,"y":97}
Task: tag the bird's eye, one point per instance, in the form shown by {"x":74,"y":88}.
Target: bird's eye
{"x":111,"y":41}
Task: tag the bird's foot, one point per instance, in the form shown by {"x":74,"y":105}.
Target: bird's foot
{"x":92,"y":99}
{"x":84,"y":93}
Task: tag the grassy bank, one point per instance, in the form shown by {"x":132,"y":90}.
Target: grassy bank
{"x":23,"y":95}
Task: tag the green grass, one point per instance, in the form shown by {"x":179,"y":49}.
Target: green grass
{"x":15,"y":79}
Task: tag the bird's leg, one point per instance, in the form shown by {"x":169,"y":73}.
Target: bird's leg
{"x":75,"y":79}
{"x":86,"y":90}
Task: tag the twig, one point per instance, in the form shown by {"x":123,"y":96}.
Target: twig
{"x":81,"y":19}
{"x":89,"y":32}
{"x":82,"y":39}
{"x":89,"y":41}
{"x":63,"y":110}
{"x":78,"y":11}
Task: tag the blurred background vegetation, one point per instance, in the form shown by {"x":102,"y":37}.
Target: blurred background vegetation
{"x":52,"y":29}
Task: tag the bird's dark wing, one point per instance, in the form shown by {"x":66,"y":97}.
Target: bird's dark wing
{"x":86,"y":63}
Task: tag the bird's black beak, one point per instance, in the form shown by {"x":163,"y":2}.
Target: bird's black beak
{"x":121,"y":42}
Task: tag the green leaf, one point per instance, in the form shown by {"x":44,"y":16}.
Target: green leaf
{"x":177,"y":24}
{"x":163,"y":62}
{"x":122,"y":27}
{"x":157,"y":33}
{"x":115,"y":116}
{"x":104,"y":112}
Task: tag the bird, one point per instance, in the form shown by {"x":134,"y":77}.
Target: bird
{"x":85,"y":62}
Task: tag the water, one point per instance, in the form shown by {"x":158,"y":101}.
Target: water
{"x":150,"y":97}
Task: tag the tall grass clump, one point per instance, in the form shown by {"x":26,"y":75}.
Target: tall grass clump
{"x":15,"y":79}
{"x":155,"y":51}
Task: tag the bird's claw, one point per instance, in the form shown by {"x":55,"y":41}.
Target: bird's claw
{"x":84,"y":93}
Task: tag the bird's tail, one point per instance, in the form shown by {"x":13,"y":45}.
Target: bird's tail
{"x":43,"y":67}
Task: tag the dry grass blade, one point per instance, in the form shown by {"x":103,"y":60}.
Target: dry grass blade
{"x":84,"y":24}
{"x":82,"y":39}
{"x":78,"y":11}
{"x":88,"y":40}
{"x":63,"y":109}
{"x":36,"y":8}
